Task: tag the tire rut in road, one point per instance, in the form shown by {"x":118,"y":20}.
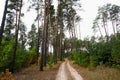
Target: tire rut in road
{"x":73,"y":72}
{"x":61,"y":73}
{"x":67,"y":71}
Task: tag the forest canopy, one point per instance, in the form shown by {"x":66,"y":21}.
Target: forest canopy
{"x":46,"y":42}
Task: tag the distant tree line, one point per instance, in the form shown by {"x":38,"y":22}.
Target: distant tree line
{"x":103,"y":50}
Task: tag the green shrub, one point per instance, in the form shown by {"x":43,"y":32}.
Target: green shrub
{"x":50,"y":61}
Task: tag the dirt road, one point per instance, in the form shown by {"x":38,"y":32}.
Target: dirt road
{"x":67,"y":72}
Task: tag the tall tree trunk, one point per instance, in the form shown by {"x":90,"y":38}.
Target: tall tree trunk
{"x":104,"y":26}
{"x":72,"y":35}
{"x":79,"y":32}
{"x":46,"y":34}
{"x":73,"y":26}
{"x":100,"y":31}
{"x":54,"y":45}
{"x":18,"y":13}
{"x":55,"y":42}
{"x":113,"y":28}
{"x":3,"y":21}
{"x":46,"y":44}
{"x":38,"y":42}
{"x":61,"y":37}
{"x":117,"y":24}
{"x":107,"y":28}
{"x":71,"y":41}
{"x":112,"y":24}
{"x":55,"y":52}
{"x":43,"y":38}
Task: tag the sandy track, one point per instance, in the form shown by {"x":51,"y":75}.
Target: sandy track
{"x":61,"y":73}
{"x":67,"y":72}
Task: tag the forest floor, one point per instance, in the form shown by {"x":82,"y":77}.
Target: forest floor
{"x":33,"y":73}
{"x":66,"y":71}
{"x":60,"y":71}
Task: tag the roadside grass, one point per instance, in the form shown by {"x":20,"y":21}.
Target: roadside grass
{"x":33,"y":73}
{"x":100,"y":73}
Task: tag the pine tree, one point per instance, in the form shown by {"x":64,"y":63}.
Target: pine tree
{"x":18,"y":15}
{"x":3,"y":21}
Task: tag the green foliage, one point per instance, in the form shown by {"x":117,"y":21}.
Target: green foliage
{"x":92,"y":62}
{"x":21,"y":59}
{"x":32,"y":56}
{"x":77,"y":44}
{"x":80,"y":58}
{"x":32,"y":37}
{"x":97,"y":53}
{"x":6,"y":55}
{"x":115,"y":53}
{"x":50,"y":61}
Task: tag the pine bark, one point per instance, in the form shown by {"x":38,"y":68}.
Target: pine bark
{"x":43,"y":39}
{"x":18,"y":13}
{"x":38,"y":41}
{"x":3,"y":21}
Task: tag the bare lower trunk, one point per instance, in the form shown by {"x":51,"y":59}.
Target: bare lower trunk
{"x":44,"y":39}
{"x":55,"y":44}
{"x":61,"y":36}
